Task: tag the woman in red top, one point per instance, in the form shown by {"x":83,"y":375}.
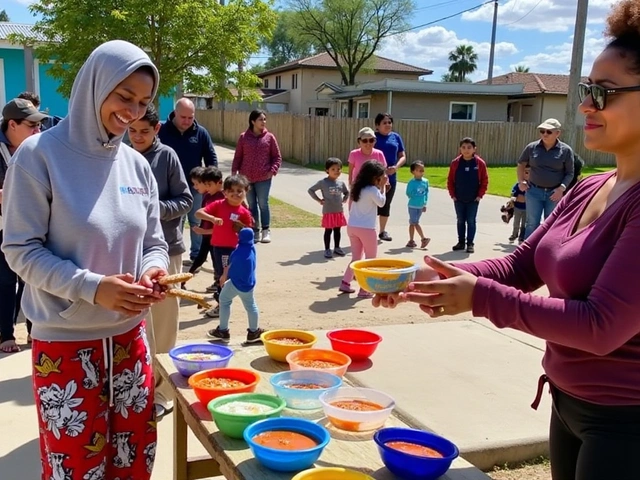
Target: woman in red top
{"x":258,"y":158}
{"x":586,"y":253}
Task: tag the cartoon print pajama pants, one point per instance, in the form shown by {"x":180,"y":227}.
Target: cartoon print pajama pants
{"x":95,"y":408}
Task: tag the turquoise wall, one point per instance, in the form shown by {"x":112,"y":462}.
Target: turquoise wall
{"x":14,"y":72}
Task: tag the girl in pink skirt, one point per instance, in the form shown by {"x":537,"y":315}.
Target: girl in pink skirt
{"x":334,"y":195}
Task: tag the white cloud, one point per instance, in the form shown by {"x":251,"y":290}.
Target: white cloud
{"x":430,"y":48}
{"x":542,"y":15}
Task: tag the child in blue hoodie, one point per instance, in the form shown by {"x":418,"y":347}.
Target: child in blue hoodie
{"x":239,"y":280}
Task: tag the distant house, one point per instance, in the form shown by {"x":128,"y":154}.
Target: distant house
{"x":295,"y":84}
{"x":21,"y":69}
{"x":544,"y":96}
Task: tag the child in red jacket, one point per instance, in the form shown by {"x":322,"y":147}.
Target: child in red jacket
{"x":467,"y":183}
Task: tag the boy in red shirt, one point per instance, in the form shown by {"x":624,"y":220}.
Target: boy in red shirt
{"x":228,"y":216}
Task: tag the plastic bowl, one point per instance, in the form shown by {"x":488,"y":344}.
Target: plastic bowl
{"x":287,"y":460}
{"x":301,"y":399}
{"x":357,"y":344}
{"x":381,"y":281}
{"x":409,"y":466}
{"x":189,"y":367}
{"x":279,"y":352}
{"x":206,"y":394}
{"x":331,"y":473}
{"x":233,"y":424}
{"x":356,"y":421}
{"x":323,"y":355}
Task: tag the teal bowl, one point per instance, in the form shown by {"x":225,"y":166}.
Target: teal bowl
{"x":232,"y":419}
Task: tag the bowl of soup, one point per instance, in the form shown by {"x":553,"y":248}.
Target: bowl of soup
{"x":301,"y":389}
{"x":279,"y":343}
{"x":357,"y":409}
{"x":234,"y":413}
{"x":415,"y":454}
{"x":195,"y":357}
{"x":286,"y":444}
{"x":328,"y":361}
{"x":214,"y":383}
{"x":331,"y":473}
{"x":384,"y":275}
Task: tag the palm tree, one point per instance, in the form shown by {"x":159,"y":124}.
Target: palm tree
{"x":521,"y":69}
{"x":463,"y":62}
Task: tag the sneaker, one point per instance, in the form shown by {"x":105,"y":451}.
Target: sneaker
{"x":328,"y":253}
{"x":470,"y":248}
{"x":424,"y":242}
{"x":253,"y":336}
{"x":512,"y":238}
{"x":346,"y":288}
{"x":187,"y":263}
{"x":338,"y":251}
{"x":211,"y":288}
{"x":411,"y":244}
{"x":384,"y":236}
{"x":213,"y":313}
{"x":457,"y":247}
{"x":364,"y":294}
{"x":218,"y":334}
{"x":266,"y":236}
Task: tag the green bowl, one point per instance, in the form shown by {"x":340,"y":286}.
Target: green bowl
{"x":233,"y":424}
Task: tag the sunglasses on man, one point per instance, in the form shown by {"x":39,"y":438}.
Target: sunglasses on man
{"x":599,"y":94}
{"x":545,"y":132}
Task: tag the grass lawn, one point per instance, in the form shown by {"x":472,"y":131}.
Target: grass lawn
{"x":284,"y":215}
{"x":501,"y":178}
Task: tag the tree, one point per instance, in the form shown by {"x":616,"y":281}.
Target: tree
{"x":286,"y":45}
{"x":463,"y":62}
{"x":4,"y":16}
{"x":190,"y":41}
{"x":350,"y":31}
{"x":521,"y":69}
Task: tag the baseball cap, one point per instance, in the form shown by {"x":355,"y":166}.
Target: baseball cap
{"x":366,"y":132}
{"x":550,"y":124}
{"x":21,"y":109}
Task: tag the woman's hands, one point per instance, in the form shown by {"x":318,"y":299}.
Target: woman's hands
{"x":120,"y":293}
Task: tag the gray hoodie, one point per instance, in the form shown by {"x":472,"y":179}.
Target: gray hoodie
{"x":79,"y":205}
{"x":173,"y":191}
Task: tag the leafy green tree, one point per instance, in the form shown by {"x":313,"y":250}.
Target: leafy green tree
{"x":286,"y":45}
{"x":4,"y":16}
{"x":463,"y":62}
{"x":521,"y":69}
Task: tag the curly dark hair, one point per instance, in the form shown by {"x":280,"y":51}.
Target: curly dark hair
{"x":623,"y":26}
{"x":369,"y":174}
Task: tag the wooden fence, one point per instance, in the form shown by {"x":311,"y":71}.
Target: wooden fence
{"x":306,"y":139}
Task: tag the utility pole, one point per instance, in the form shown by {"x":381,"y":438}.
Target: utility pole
{"x":492,"y":52}
{"x":569,"y":127}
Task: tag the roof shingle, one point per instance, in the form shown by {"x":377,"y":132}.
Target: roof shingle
{"x":536,"y":83}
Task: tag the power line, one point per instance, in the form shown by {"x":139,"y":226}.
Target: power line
{"x":443,"y":18}
{"x":525,"y":15}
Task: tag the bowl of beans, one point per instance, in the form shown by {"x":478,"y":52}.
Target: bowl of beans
{"x":214,"y":383}
{"x":301,"y":389}
{"x":328,"y":361}
{"x":195,"y":357}
{"x":384,"y":275}
{"x":279,"y":343}
{"x":415,"y":454}
{"x":357,"y":409}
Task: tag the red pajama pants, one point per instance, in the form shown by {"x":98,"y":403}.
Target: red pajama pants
{"x":95,"y":408}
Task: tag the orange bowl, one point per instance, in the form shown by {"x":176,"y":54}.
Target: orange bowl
{"x":205,"y":394}
{"x":317,"y":354}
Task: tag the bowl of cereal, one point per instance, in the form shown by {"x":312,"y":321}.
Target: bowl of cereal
{"x":195,"y":357}
{"x":384,"y":275}
{"x":302,"y":388}
{"x":214,"y":383}
{"x":279,"y":343}
{"x":328,"y":361}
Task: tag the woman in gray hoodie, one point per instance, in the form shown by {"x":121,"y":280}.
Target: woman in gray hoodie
{"x":82,"y":228}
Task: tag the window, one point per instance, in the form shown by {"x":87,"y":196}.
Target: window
{"x":278,"y":82}
{"x":462,"y":111}
{"x":321,"y":112}
{"x":266,"y":83}
{"x":363,"y":109}
{"x":294,"y":81}
{"x":344,"y":109}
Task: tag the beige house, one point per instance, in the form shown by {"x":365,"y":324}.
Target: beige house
{"x":295,"y":84}
{"x":420,"y":100}
{"x":544,"y":96}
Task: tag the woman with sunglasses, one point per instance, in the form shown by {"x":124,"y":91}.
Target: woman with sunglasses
{"x":586,"y":253}
{"x":364,"y":152}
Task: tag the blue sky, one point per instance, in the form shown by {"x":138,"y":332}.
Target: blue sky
{"x":535,"y":33}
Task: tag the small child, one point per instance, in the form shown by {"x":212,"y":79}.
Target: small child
{"x":334,"y":195}
{"x":418,"y":193}
{"x":467,"y":183}
{"x":239,"y":280}
{"x":367,"y":194}
{"x":519,"y":210}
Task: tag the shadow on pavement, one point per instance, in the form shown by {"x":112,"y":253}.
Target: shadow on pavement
{"x":449,"y":256}
{"x":310,"y":258}
{"x":18,"y":391}
{"x":329,"y":283}
{"x":340,"y":303}
{"x":505,"y":247}
{"x":21,"y":462}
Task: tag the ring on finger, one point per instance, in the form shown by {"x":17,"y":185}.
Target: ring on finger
{"x":440,"y":310}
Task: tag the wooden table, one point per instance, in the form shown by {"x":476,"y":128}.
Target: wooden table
{"x":233,"y":458}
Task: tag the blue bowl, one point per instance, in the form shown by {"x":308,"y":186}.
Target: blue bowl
{"x":189,"y":367}
{"x":412,"y":467}
{"x":302,"y":399}
{"x":287,"y":460}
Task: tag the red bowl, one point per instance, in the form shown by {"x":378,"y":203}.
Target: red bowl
{"x":357,"y":344}
{"x":206,"y":394}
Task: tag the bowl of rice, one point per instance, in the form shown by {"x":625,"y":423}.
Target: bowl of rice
{"x":196,"y":357}
{"x":234,"y":413}
{"x":279,"y":343}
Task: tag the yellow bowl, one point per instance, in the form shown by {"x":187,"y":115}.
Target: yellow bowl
{"x":278,"y":351}
{"x":384,"y":275}
{"x":331,"y":473}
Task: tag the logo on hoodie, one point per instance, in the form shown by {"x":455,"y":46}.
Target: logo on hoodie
{"x":134,"y":191}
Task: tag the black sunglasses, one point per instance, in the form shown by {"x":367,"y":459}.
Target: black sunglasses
{"x":599,"y":93}
{"x":367,"y":140}
{"x":543,"y":131}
